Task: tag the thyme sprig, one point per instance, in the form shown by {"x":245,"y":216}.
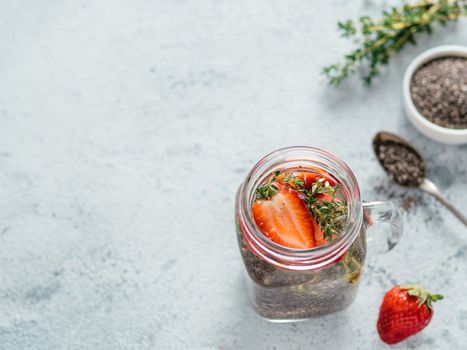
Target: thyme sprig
{"x":329,"y":214}
{"x":379,"y":39}
{"x":268,"y":189}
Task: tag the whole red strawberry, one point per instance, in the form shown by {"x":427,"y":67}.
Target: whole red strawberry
{"x":405,"y":310}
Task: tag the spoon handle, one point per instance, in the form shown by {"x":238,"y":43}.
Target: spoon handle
{"x":431,"y":188}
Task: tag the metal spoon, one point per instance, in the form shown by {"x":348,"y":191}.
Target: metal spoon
{"x":424,"y":184}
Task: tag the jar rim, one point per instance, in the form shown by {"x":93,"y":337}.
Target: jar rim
{"x":292,"y":258}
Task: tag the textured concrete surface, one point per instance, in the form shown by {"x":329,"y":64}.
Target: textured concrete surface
{"x":125,"y":129}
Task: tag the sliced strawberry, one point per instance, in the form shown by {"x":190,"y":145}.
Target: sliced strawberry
{"x":327,"y":197}
{"x":285,"y":219}
{"x":319,"y":234}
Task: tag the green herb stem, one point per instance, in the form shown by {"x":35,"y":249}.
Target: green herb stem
{"x":378,"y":40}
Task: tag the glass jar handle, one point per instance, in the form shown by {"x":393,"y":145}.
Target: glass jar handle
{"x":390,"y":222}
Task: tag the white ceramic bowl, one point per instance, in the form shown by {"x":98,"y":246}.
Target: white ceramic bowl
{"x":429,"y":129}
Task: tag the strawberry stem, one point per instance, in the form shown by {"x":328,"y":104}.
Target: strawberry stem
{"x":424,"y":297}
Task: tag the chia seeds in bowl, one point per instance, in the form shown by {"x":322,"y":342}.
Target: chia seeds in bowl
{"x":439,"y":91}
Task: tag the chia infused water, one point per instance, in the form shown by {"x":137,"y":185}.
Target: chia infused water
{"x":288,"y":281}
{"x":280,"y":294}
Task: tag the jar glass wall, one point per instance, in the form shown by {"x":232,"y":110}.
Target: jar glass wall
{"x":287,"y":284}
{"x":279,"y":294}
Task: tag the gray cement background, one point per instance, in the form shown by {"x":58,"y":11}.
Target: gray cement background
{"x":125,"y":129}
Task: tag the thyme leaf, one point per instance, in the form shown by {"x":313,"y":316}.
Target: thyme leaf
{"x":268,"y":189}
{"x":378,"y":40}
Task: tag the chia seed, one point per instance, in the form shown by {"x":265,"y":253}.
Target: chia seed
{"x":401,"y":163}
{"x":279,"y":294}
{"x":439,"y":92}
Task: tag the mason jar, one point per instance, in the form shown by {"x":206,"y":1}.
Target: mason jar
{"x":288,"y":284}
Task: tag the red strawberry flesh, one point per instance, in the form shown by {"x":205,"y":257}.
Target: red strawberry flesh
{"x":285,"y":219}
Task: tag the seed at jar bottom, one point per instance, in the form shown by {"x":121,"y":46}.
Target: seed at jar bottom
{"x":282,"y":294}
{"x":315,"y":298}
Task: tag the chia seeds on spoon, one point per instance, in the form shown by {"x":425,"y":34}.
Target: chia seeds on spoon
{"x":402,"y":164}
{"x":439,"y":92}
